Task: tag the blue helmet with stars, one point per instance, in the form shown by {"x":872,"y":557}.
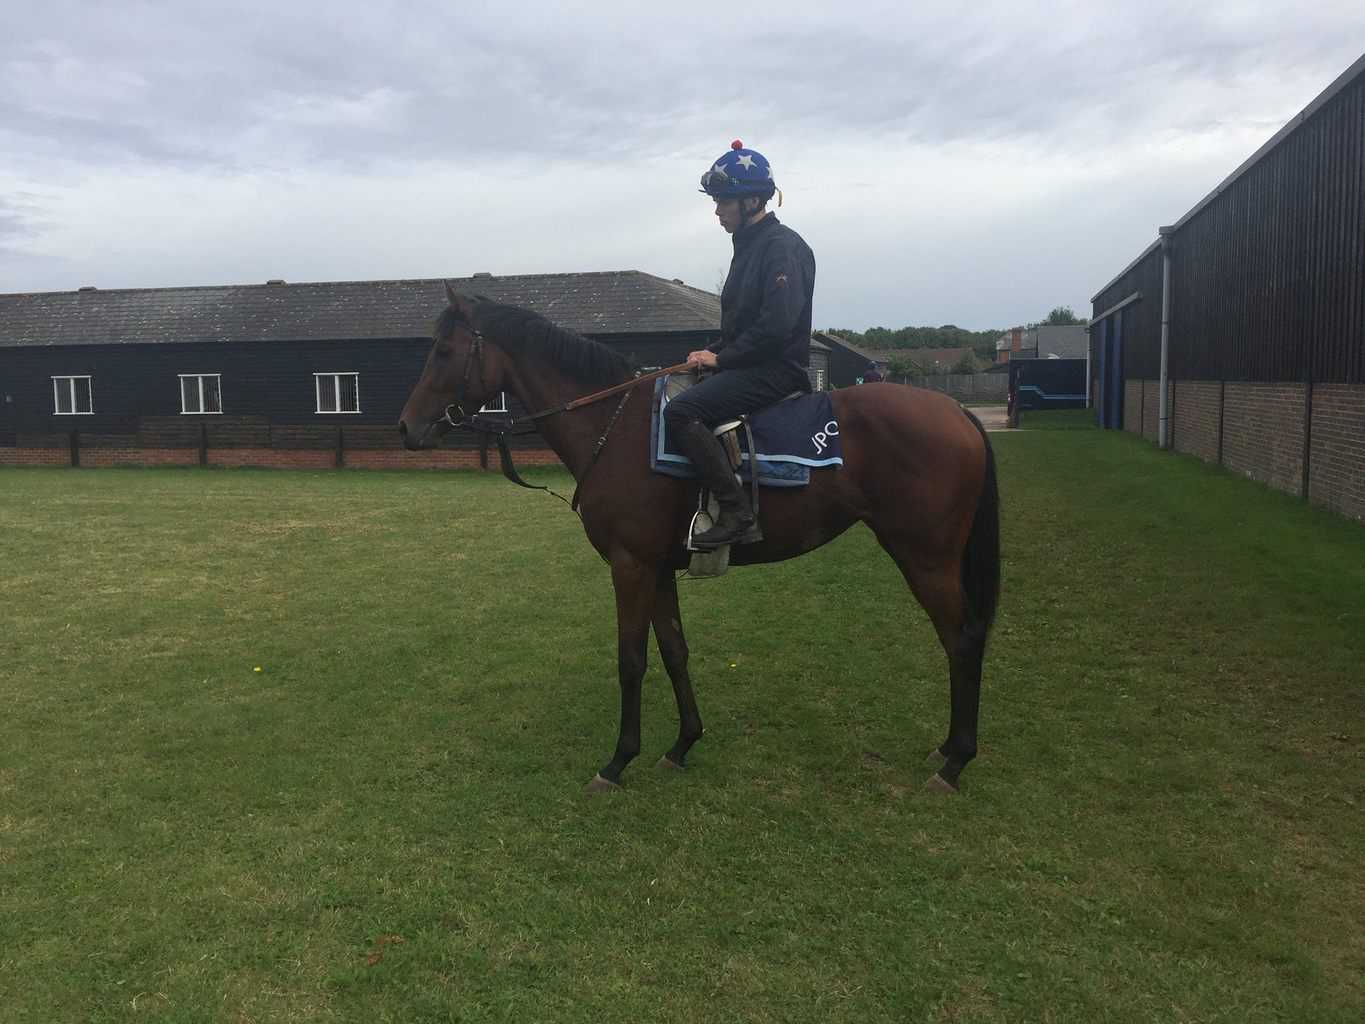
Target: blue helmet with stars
{"x":739,"y":172}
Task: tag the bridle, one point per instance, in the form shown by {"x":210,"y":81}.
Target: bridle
{"x":499,"y":428}
{"x":472,"y":357}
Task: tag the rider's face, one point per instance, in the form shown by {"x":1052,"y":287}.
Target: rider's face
{"x":729,"y":214}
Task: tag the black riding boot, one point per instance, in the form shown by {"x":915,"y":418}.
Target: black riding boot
{"x":713,"y":468}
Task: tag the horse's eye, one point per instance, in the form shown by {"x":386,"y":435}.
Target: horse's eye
{"x":443,"y":352}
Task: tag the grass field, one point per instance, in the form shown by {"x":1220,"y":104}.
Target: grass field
{"x":386,"y":822}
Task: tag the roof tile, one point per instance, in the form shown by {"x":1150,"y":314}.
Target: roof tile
{"x":605,"y":303}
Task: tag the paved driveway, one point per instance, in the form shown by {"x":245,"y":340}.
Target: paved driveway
{"x":992,"y":417}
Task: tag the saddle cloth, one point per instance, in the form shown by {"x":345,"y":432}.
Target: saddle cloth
{"x":791,"y":437}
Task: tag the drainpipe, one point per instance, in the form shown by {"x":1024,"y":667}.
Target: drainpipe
{"x":1167,"y":234}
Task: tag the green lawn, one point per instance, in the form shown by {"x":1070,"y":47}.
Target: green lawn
{"x":386,"y":822}
{"x":1058,"y":419}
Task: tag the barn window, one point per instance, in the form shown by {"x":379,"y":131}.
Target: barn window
{"x":337,"y":392}
{"x":71,"y":396}
{"x":498,"y":404}
{"x":201,"y":393}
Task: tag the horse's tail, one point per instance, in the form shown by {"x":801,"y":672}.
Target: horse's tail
{"x":981,"y":558}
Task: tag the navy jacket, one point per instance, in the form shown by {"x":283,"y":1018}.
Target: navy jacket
{"x":766,"y":302}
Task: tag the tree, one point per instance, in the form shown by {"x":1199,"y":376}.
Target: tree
{"x":967,"y":364}
{"x":1063,"y":315}
{"x":903,"y":365}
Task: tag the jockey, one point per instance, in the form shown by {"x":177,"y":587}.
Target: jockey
{"x":764,"y":347}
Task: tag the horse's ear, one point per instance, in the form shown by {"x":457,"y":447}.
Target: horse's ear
{"x":451,"y":296}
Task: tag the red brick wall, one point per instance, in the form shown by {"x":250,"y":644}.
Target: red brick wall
{"x":1336,"y":458}
{"x":270,"y":458}
{"x":96,"y":457}
{"x":1194,"y":427}
{"x":34,"y":457}
{"x":1263,"y":433}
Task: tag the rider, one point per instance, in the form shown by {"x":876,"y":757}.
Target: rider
{"x":764,"y":347}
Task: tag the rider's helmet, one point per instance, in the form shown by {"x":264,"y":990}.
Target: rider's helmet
{"x":738,"y":173}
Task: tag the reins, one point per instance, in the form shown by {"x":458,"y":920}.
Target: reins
{"x":500,"y":428}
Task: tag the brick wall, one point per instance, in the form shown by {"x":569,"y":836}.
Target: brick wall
{"x":55,"y":450}
{"x":135,"y":456}
{"x":1194,"y":427}
{"x":1132,"y":406}
{"x":1263,"y":432}
{"x":1336,"y":459}
{"x":34,"y":457}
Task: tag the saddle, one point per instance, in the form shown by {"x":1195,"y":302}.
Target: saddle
{"x":714,"y":562}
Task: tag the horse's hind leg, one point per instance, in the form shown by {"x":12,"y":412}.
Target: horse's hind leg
{"x":939,"y":590}
{"x":668,"y":633}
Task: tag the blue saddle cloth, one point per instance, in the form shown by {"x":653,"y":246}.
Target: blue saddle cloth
{"x":791,"y":437}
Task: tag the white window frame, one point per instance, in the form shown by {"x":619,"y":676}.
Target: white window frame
{"x":71,"y":393}
{"x":201,"y":411}
{"x":499,"y":405}
{"x":335,"y":377}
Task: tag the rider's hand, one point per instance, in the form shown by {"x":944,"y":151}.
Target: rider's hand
{"x":704,"y":358}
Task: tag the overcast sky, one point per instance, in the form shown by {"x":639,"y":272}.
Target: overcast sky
{"x":975,"y":165}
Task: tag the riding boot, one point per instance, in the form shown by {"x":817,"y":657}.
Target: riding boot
{"x":700,"y":445}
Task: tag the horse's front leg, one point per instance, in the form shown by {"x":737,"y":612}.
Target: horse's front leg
{"x":668,"y":633}
{"x":635,"y":591}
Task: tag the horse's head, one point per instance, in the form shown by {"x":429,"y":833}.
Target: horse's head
{"x":461,"y":374}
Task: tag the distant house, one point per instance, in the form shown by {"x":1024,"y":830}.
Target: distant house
{"x":1008,"y":344}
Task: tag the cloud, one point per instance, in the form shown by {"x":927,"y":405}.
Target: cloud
{"x":974,"y":166}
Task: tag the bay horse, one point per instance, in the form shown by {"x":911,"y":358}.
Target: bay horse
{"x":918,"y":470}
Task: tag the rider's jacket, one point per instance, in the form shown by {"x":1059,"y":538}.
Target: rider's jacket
{"x":766,"y":301}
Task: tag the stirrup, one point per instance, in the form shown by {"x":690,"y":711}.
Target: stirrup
{"x":748,"y":535}
{"x":705,"y":517}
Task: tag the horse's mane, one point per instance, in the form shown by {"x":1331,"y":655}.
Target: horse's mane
{"x":519,"y":330}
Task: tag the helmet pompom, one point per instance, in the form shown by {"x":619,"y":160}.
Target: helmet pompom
{"x":736,"y":144}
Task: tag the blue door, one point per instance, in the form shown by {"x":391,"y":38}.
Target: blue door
{"x":1110,"y":412}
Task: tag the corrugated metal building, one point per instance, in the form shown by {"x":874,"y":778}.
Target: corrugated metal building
{"x":1265,"y":353}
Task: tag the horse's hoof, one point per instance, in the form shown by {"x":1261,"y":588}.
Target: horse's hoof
{"x":935,"y":760}
{"x":939,"y":786}
{"x":668,"y":762}
{"x":601,"y":784}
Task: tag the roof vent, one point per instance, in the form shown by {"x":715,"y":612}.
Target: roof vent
{"x":87,"y":288}
{"x":679,"y":280}
{"x":276,"y":280}
{"x":483,"y":273}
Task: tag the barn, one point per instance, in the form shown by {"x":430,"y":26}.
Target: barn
{"x":278,"y":374}
{"x":1238,"y":335}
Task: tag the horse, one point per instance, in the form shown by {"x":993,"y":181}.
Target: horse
{"x":918,"y":469}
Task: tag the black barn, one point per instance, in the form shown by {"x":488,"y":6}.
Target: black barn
{"x":320,"y":367}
